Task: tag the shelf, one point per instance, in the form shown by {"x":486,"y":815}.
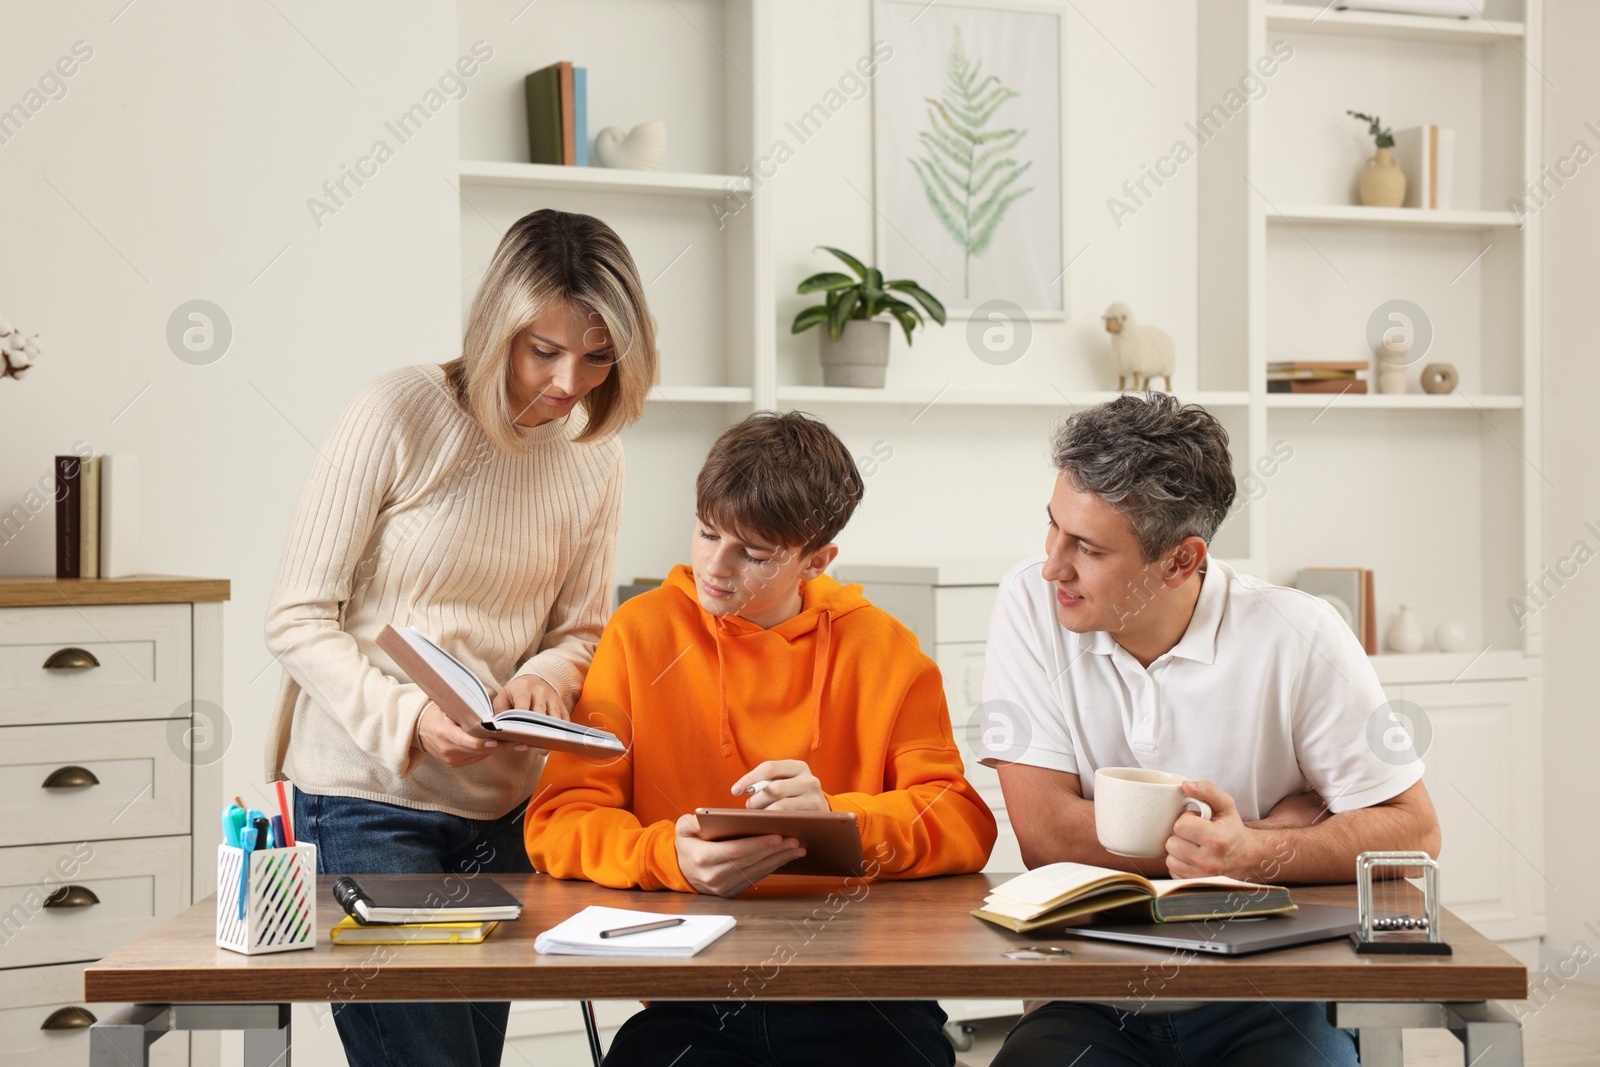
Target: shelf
{"x":1396,"y":401}
{"x":599,"y":179}
{"x":700,"y":394}
{"x":1421,"y":668}
{"x":1399,"y":217}
{"x":1394,"y":27}
{"x":1038,"y":398}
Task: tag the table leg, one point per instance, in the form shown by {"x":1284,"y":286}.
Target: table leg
{"x":1490,"y":1036}
{"x":123,"y":1038}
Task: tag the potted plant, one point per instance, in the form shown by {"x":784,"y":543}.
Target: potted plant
{"x":1383,"y":183}
{"x":855,"y":345}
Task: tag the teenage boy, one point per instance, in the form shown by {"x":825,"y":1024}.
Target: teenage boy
{"x":753,"y":672}
{"x":1126,"y":645}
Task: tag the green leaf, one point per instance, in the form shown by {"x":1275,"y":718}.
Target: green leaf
{"x":843,"y":311}
{"x":809,"y":318}
{"x":854,"y":263}
{"x":907,"y":320}
{"x":826,"y":280}
{"x":922,"y":296}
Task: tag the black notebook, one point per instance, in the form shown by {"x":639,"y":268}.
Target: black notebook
{"x":374,"y":899}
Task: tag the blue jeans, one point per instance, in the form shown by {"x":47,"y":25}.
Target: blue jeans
{"x":365,"y":837}
{"x":1248,"y":1034}
{"x":883,"y":1033}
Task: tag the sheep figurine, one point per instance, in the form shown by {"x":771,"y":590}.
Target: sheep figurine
{"x":1142,"y":353}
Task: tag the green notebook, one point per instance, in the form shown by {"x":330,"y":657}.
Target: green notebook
{"x":544,"y":115}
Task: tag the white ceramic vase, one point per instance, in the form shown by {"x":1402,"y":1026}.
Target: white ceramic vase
{"x":641,"y":148}
{"x":1405,"y":634}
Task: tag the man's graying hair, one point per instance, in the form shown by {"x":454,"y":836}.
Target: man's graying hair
{"x":1163,"y":464}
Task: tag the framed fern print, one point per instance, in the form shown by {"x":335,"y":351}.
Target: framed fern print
{"x":967,"y":151}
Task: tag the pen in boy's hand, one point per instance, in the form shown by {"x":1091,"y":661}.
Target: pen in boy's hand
{"x":755,"y":787}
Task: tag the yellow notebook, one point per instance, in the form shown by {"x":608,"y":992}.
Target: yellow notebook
{"x":350,"y":932}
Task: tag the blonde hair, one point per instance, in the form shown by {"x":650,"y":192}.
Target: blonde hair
{"x":549,"y":258}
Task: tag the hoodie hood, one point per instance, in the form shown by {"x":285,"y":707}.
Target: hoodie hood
{"x":823,"y":602}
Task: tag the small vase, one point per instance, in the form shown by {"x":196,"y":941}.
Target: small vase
{"x":1405,"y":634}
{"x":860,"y":358}
{"x":1383,"y":183}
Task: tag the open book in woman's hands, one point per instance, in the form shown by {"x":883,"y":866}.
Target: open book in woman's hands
{"x":464,"y":698}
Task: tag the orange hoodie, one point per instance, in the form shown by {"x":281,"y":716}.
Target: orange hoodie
{"x":705,"y":698}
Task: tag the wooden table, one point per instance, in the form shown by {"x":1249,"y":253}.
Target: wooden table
{"x":893,"y":940}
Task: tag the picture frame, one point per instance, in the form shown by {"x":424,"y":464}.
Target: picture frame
{"x":967,"y":257}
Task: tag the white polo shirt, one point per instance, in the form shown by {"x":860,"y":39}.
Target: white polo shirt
{"x":1267,"y":694}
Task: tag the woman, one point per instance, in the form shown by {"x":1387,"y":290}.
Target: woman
{"x":477,"y":501}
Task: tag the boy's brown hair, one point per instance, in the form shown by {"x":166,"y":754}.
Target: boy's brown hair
{"x":779,"y":478}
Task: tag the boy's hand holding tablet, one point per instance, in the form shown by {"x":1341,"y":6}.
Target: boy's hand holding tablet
{"x":728,"y":868}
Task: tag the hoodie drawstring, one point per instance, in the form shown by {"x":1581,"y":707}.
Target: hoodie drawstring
{"x":723,"y":726}
{"x":819,"y":673}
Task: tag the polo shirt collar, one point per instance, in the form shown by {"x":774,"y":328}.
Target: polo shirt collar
{"x":1199,"y":641}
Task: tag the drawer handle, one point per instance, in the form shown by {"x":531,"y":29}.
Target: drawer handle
{"x":69,"y":1018}
{"x":71,"y":659}
{"x":72,"y":896}
{"x":70,"y":778}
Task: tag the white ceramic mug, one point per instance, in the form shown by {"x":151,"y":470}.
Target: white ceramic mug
{"x":1135,"y":809}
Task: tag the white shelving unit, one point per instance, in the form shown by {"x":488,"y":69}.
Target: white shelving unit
{"x":1440,"y":495}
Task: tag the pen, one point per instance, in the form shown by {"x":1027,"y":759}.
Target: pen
{"x":622,"y":931}
{"x":756,"y":787}
{"x":249,"y":841}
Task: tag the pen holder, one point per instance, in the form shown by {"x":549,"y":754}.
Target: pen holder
{"x":280,"y":905}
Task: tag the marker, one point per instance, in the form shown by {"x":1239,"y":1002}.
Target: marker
{"x":755,"y":787}
{"x":283,"y":809}
{"x":623,"y":931}
{"x":249,"y":840}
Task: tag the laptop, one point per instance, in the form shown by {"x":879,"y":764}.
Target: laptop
{"x":1231,"y":937}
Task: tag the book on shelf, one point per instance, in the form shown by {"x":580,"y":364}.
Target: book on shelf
{"x":1445,"y":9}
{"x":405,"y":899}
{"x":558,"y":123}
{"x":89,"y":517}
{"x":1052,"y":894}
{"x":1317,"y":366}
{"x":1350,"y":591}
{"x":1324,"y":385}
{"x":97,"y":508}
{"x":69,"y":480}
{"x":1427,"y":156}
{"x":350,"y":931}
{"x":460,"y":695}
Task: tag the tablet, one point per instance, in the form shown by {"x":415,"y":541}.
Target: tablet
{"x":830,"y":838}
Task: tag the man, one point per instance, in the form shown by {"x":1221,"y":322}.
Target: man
{"x":1126,"y":645}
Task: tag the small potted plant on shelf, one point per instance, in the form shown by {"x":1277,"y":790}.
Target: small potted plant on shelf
{"x":855,"y":345}
{"x":1383,"y":183}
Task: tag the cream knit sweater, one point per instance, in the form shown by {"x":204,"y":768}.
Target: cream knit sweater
{"x":412,"y":516}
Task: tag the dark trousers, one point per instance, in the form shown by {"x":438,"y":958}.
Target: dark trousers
{"x":1251,"y":1034}
{"x":882,"y":1033}
{"x":356,"y":836}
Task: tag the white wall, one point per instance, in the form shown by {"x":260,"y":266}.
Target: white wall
{"x":181,"y":159}
{"x":1572,"y":497}
{"x":963,"y":482}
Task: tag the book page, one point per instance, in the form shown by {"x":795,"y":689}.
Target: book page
{"x":457,"y":676}
{"x":1167,"y":886}
{"x":1056,"y":882}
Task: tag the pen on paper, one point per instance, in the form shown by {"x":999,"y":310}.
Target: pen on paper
{"x":622,"y":931}
{"x":755,"y":787}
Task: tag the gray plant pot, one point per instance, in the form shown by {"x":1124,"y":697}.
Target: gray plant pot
{"x":860,"y":358}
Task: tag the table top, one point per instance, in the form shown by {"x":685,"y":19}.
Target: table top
{"x":45,"y":591}
{"x":894,"y":940}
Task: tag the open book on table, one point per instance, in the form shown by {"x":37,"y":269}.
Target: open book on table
{"x":1052,"y":894}
{"x":460,"y":695}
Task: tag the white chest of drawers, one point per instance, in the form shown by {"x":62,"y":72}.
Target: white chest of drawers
{"x":111,"y":742}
